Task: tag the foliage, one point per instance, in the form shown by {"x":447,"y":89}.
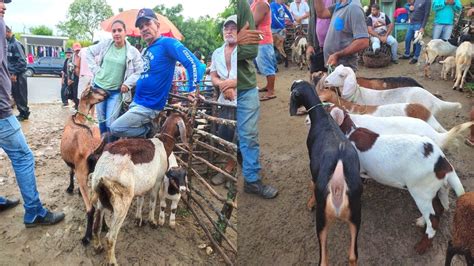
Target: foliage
{"x":84,"y":16}
{"x":41,"y":30}
{"x":70,"y":42}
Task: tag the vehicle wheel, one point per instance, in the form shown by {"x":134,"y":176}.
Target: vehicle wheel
{"x":29,"y":72}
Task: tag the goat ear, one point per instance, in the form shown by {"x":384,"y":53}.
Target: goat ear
{"x":338,"y":115}
{"x":182,"y":130}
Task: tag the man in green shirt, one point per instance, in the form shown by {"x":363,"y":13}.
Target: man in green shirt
{"x":248,"y":103}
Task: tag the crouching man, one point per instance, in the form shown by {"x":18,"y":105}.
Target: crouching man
{"x":380,"y":27}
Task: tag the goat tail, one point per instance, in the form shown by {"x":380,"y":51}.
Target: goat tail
{"x":450,"y":105}
{"x":337,"y":188}
{"x":455,"y":183}
{"x":453,"y":132}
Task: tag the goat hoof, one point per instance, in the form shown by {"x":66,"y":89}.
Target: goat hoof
{"x":461,"y":90}
{"x":153,"y":225}
{"x":139,"y":222}
{"x":85,"y":241}
{"x":420,"y":222}
{"x":70,"y":190}
{"x":173,"y":226}
{"x":423,"y":246}
{"x":98,"y":249}
{"x":454,"y":88}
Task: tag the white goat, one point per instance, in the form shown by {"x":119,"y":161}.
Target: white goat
{"x":298,"y":52}
{"x":449,"y":65}
{"x":129,"y":168}
{"x":345,"y":77}
{"x":173,"y":184}
{"x":414,"y":110}
{"x":405,"y":125}
{"x":463,"y":63}
{"x":406,"y":161}
{"x":435,"y":48}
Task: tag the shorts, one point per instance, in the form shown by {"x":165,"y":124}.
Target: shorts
{"x":266,"y":59}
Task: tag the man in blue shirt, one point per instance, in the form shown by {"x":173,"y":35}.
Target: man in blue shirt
{"x":155,"y":82}
{"x":279,"y":10}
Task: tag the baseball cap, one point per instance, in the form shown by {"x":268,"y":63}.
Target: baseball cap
{"x":232,"y":18}
{"x":7,"y":1}
{"x":68,"y":51}
{"x":8,"y":29}
{"x":76,"y":46}
{"x":145,"y":13}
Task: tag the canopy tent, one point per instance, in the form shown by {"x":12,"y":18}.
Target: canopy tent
{"x":167,"y":28}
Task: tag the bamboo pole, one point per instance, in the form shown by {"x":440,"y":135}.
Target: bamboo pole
{"x":221,"y":121}
{"x":216,"y":150}
{"x":206,"y":231}
{"x":228,"y":145}
{"x":213,"y":167}
{"x":201,"y":179}
{"x":213,"y":223}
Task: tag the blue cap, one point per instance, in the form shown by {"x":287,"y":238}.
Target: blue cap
{"x":7,"y":1}
{"x":145,"y":13}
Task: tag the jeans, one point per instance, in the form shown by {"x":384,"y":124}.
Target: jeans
{"x":13,"y":142}
{"x":108,"y":110}
{"x":223,"y":131}
{"x":390,"y":41}
{"x":441,"y":31}
{"x":409,"y":37}
{"x":136,"y":122}
{"x":248,"y":112}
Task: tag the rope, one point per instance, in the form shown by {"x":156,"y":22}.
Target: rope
{"x":319,"y":104}
{"x":92,"y":120}
{"x":330,"y":69}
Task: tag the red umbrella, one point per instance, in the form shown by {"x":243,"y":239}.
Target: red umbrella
{"x":167,"y":28}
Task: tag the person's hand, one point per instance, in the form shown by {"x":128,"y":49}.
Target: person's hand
{"x":228,"y":83}
{"x":192,"y":97}
{"x":309,"y":51}
{"x":246,"y":36}
{"x":412,"y":7}
{"x":70,"y":82}
{"x":421,"y":30}
{"x":332,"y":60}
{"x":298,"y":20}
{"x":230,"y":94}
{"x":470,"y":12}
{"x":124,"y":88}
{"x":13,"y":78}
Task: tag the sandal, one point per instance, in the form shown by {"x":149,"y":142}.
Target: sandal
{"x":266,"y":98}
{"x":263,"y":89}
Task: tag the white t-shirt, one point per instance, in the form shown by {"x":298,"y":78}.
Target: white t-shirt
{"x":303,"y":8}
{"x":219,"y":65}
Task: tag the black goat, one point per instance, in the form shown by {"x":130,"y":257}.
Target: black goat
{"x":334,"y":165}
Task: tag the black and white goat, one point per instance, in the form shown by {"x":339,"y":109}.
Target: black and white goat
{"x":335,"y":170}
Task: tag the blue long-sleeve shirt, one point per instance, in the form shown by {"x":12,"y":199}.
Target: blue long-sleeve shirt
{"x":278,"y":15}
{"x":159,"y":60}
{"x":444,"y":14}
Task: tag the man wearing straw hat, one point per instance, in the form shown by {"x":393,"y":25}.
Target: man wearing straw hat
{"x":155,"y":82}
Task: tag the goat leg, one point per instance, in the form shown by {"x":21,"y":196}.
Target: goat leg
{"x":312,"y":200}
{"x":153,"y":197}
{"x":70,"y":189}
{"x":90,"y":218}
{"x":120,"y":207}
{"x":161,"y":219}
{"x":174,"y":207}
{"x":450,"y":252}
{"x":96,"y":229}
{"x":138,"y":215}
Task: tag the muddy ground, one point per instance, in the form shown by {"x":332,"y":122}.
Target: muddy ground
{"x":60,"y":244}
{"x":282,"y":231}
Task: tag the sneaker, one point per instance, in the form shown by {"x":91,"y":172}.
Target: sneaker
{"x":49,"y":219}
{"x":9,"y":204}
{"x":413,"y":61}
{"x":258,"y":188}
{"x":395,"y":62}
{"x":405,"y":57}
{"x":21,"y":118}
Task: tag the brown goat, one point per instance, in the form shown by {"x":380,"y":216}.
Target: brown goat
{"x":78,"y":141}
{"x":278,"y":43}
{"x":463,"y":232}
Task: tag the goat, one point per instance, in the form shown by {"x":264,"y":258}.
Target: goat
{"x":174,"y":183}
{"x":77,"y":142}
{"x":409,"y":162}
{"x":298,"y":51}
{"x":345,"y":77}
{"x":414,"y":110}
{"x":433,"y":49}
{"x":463,"y":235}
{"x":279,"y":44}
{"x":334,"y":168}
{"x":463,"y":63}
{"x":128,"y":168}
{"x":449,"y":65}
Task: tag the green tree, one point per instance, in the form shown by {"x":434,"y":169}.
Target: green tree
{"x":84,"y":17}
{"x":41,"y":30}
{"x":173,"y":13}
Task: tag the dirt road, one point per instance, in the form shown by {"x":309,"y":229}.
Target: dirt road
{"x":282,"y":231}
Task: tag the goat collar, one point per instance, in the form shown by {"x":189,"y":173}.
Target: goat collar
{"x":167,"y":135}
{"x":86,"y":116}
{"x":314,"y":106}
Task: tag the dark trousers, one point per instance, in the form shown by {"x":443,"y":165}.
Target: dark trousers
{"x":20,"y":95}
{"x":64,"y":92}
{"x":73,"y":93}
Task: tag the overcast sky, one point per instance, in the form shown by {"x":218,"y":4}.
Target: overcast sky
{"x":22,"y":14}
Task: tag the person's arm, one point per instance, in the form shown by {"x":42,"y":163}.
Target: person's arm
{"x":247,"y":36}
{"x":306,"y":13}
{"x":189,"y":61}
{"x":137,"y":63}
{"x":457,"y":7}
{"x":389,"y":26}
{"x":21,"y":63}
{"x":91,"y":53}
{"x":261,"y":9}
{"x":370,"y":29}
{"x":426,"y":15}
{"x":312,"y":40}
{"x":288,"y":13}
{"x":321,"y":10}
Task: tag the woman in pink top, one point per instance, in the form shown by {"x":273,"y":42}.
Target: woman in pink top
{"x":266,"y":61}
